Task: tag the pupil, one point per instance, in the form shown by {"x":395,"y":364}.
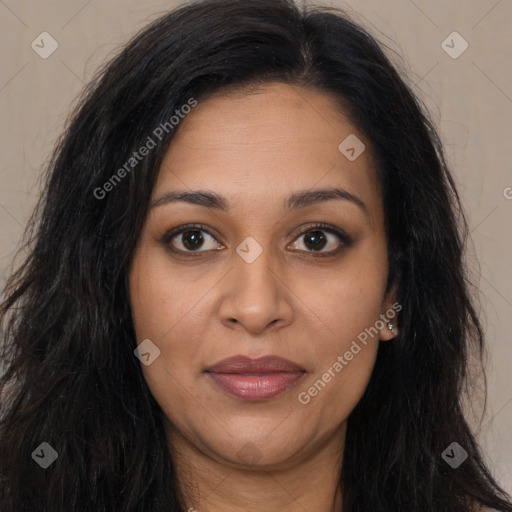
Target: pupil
{"x":317,"y":238}
{"x":196,"y":240}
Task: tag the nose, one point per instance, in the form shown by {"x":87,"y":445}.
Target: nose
{"x":255,"y":296}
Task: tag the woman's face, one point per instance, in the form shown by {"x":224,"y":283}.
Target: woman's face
{"x":250,"y":282}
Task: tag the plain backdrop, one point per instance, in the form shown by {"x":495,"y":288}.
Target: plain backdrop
{"x":469,"y":97}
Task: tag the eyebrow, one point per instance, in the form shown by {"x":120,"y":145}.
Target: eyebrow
{"x":297,"y":200}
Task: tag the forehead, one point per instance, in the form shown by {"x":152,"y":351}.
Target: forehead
{"x":277,"y":139}
{"x":274,"y":115}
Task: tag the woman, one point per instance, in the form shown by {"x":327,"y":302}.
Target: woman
{"x":246,"y":287}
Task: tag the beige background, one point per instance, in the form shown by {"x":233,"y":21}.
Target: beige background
{"x":470,"y":99}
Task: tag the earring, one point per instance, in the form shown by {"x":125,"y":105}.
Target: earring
{"x":391,"y":327}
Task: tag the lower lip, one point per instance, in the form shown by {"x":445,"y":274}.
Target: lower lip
{"x":255,"y":387}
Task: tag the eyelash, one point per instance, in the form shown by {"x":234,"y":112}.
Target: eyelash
{"x":345,"y":239}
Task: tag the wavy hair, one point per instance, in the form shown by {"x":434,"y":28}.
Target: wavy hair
{"x":70,"y":376}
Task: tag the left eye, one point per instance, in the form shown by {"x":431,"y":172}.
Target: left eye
{"x":315,"y":240}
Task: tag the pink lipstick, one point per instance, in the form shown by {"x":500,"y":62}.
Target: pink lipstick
{"x":255,"y":379}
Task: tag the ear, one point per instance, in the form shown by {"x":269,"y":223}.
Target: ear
{"x":389,"y":316}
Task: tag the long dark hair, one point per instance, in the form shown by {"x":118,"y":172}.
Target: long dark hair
{"x":71,"y":379}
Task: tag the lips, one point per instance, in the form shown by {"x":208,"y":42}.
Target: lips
{"x":265,"y":364}
{"x":255,"y":379}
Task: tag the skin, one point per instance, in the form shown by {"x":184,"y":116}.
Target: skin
{"x":255,"y":149}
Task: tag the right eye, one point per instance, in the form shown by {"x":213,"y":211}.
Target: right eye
{"x":189,"y":238}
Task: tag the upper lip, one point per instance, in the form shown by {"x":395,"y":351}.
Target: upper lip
{"x":264,"y":364}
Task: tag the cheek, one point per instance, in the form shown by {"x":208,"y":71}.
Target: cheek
{"x":345,"y":357}
{"x":347,"y":340}
{"x":346,"y":303}
{"x":331,"y":396}
{"x":170,"y":312}
{"x":163,"y":300}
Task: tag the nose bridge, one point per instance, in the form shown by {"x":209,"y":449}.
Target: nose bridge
{"x":254,"y":268}
{"x":255,"y":296}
